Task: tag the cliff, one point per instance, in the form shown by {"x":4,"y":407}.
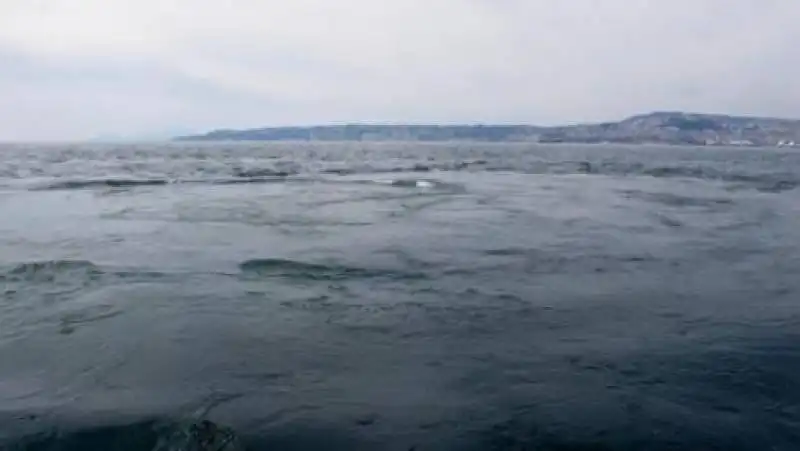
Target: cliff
{"x":655,"y":128}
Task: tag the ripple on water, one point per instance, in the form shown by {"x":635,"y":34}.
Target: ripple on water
{"x":676,"y":200}
{"x":147,"y":435}
{"x":51,"y":270}
{"x":299,"y":270}
{"x":70,"y":320}
{"x":72,"y":272}
{"x":541,"y":320}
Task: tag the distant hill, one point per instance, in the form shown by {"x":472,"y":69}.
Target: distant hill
{"x":655,"y":128}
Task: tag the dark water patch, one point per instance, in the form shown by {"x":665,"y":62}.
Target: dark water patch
{"x":757,"y":372}
{"x":509,"y":168}
{"x":444,"y":167}
{"x":307,"y":438}
{"x":677,"y":200}
{"x":765,"y":186}
{"x":128,"y":437}
{"x":100,"y":183}
{"x":246,"y":180}
{"x":506,"y":252}
{"x":293,"y":269}
{"x":201,"y":435}
{"x":256,"y":173}
{"x":768,"y":182}
{"x":669,"y":221}
{"x":680,"y":171}
{"x":778,"y":186}
{"x":72,"y":276}
{"x":545,"y":261}
{"x":316,"y":303}
{"x":146,"y":435}
{"x":339,"y":171}
{"x":51,"y":270}
{"x":427,"y":166}
{"x":70,"y":321}
{"x":693,"y":397}
{"x":525,"y":431}
{"x":120,"y":184}
{"x":561,"y":167}
{"x":530,"y":431}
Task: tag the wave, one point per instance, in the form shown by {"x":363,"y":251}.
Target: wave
{"x":133,"y":183}
{"x":73,"y":271}
{"x":525,"y":429}
{"x":770,"y":182}
{"x":194,"y":435}
{"x":423,"y":183}
{"x":777,"y":186}
{"x":675,"y":200}
{"x":292,"y":269}
{"x":262,"y":172}
{"x":146,"y":435}
{"x":245,"y":180}
{"x":79,"y":271}
{"x":50,"y":269}
{"x":261,"y":179}
{"x":100,"y":183}
{"x":416,"y":183}
{"x":765,"y":182}
{"x":416,"y":167}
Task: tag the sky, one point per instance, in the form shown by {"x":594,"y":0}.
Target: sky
{"x":85,"y":69}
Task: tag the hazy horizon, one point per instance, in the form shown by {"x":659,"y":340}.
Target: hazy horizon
{"x":87,"y":69}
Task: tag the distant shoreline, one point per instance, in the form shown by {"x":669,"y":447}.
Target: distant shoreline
{"x":660,"y":128}
{"x":189,"y":140}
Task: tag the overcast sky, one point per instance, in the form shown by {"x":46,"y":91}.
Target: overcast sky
{"x":75,"y":69}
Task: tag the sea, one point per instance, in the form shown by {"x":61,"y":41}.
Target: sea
{"x":398,"y":296}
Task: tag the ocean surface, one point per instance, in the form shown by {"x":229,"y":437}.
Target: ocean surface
{"x":399,"y":297}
